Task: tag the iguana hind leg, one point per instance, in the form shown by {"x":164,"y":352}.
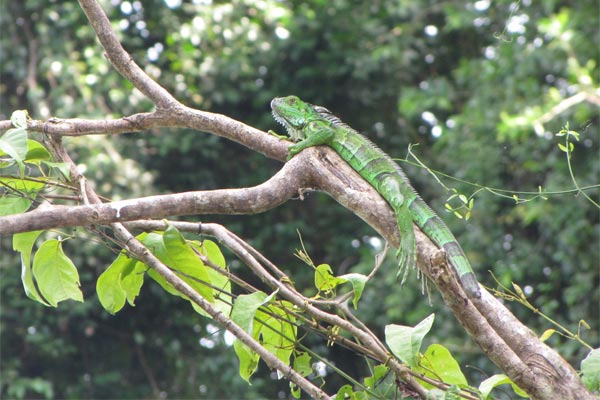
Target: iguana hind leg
{"x":407,"y":254}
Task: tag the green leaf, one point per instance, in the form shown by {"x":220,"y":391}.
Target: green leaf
{"x":345,"y":392}
{"x":245,"y":307}
{"x":23,"y":243}
{"x":19,"y":118}
{"x":493,"y":381}
{"x":405,"y":341}
{"x":325,"y":281}
{"x":276,"y":330}
{"x":302,"y":363}
{"x":172,"y":249}
{"x":181,"y":258}
{"x":117,"y":284}
{"x":55,"y":274}
{"x":36,"y":152}
{"x":272,"y":326}
{"x":242,"y":314}
{"x":358,"y":282}
{"x":62,"y":168}
{"x":19,"y":195}
{"x":438,"y":363}
{"x":295,"y":390}
{"x":221,"y":283}
{"x":14,"y":143}
{"x":547,"y":334}
{"x":590,"y":369}
{"x":248,"y":360}
{"x":132,"y":279}
{"x":378,"y":373}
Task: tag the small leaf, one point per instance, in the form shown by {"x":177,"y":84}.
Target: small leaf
{"x":405,"y":341}
{"x":562,"y":147}
{"x":19,"y":118}
{"x":378,"y":373}
{"x":358,"y":282}
{"x":345,"y":392}
{"x":458,"y":215}
{"x":55,"y":274}
{"x":325,"y":281}
{"x":302,"y":364}
{"x":295,"y":390}
{"x":583,"y":322}
{"x":547,"y":334}
{"x":519,"y":291}
{"x":490,"y":383}
{"x":463,"y":198}
{"x":62,"y":168}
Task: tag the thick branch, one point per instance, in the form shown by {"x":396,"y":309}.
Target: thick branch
{"x":281,"y":187}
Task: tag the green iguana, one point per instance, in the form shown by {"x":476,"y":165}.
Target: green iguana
{"x":311,"y":125}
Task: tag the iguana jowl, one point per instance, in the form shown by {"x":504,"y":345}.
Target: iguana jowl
{"x":311,"y":125}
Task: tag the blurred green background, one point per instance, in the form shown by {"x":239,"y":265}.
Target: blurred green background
{"x":482,"y":87}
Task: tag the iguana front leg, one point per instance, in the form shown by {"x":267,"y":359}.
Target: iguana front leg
{"x":278,"y":136}
{"x":316,"y":135}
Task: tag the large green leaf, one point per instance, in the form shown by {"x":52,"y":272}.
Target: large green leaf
{"x":185,"y":262}
{"x":405,"y":341}
{"x":55,"y":274}
{"x":438,"y":363}
{"x":242,"y":314}
{"x":220,"y":282}
{"x":276,"y":330}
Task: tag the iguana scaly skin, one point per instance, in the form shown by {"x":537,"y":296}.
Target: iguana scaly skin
{"x":311,"y":125}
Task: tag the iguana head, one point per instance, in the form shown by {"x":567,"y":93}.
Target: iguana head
{"x":294,"y":115}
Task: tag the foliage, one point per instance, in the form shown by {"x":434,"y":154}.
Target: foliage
{"x":482,"y":87}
